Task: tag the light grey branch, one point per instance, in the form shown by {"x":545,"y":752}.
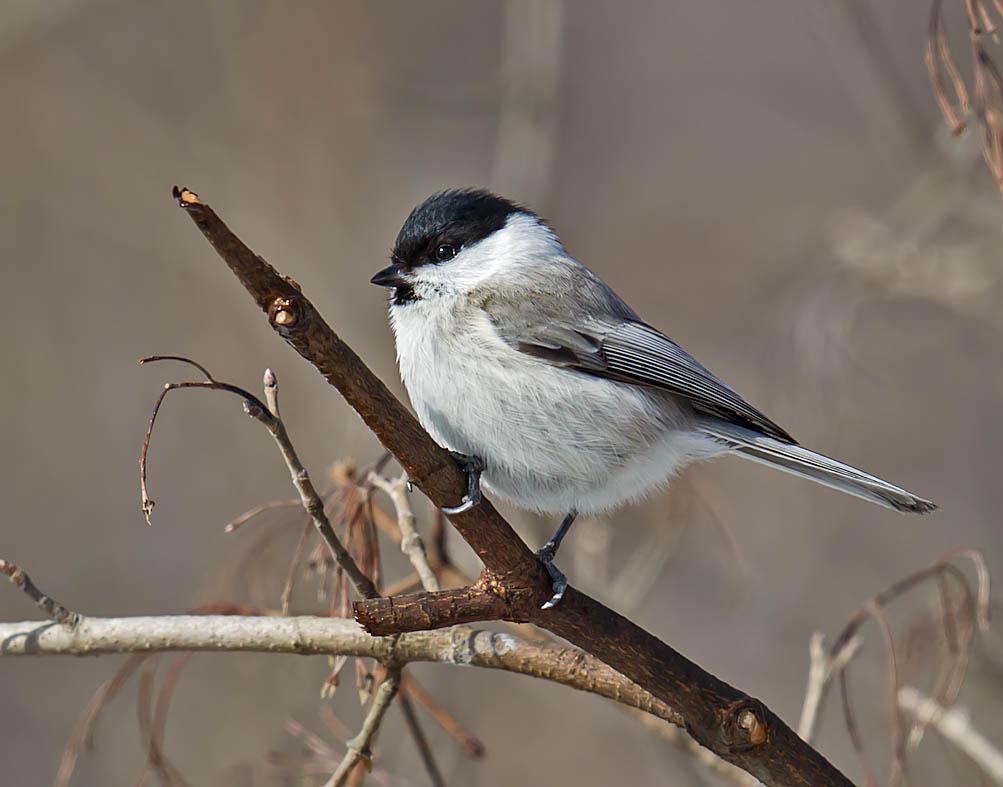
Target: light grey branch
{"x":359,"y":747}
{"x":308,"y":635}
{"x":411,"y":543}
{"x":822,"y":669}
{"x":956,"y":726}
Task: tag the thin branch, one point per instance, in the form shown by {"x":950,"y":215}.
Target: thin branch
{"x":259,"y":509}
{"x":83,"y":732}
{"x":427,"y":758}
{"x":898,"y":770}
{"x":359,"y":747}
{"x":470,"y":745}
{"x":294,"y":566}
{"x":955,"y":725}
{"x":263,"y":413}
{"x":853,"y":729}
{"x":822,"y":669}
{"x":48,"y":605}
{"x":411,"y":543}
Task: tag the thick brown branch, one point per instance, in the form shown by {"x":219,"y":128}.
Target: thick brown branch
{"x":736,"y":727}
{"x":429,"y":466}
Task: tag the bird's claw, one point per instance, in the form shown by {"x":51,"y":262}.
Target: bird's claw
{"x":473,"y":467}
{"x":560,"y":582}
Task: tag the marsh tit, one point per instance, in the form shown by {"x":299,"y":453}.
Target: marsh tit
{"x":542,"y":381}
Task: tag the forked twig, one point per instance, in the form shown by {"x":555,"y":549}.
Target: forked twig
{"x":822,"y":669}
{"x":254,"y":407}
{"x":359,"y":747}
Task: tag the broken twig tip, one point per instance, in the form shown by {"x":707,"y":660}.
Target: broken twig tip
{"x":148,"y":509}
{"x":185,"y":196}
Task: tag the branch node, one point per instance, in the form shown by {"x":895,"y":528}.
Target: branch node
{"x":745,"y":725}
{"x":284,"y":313}
{"x":185,"y":196}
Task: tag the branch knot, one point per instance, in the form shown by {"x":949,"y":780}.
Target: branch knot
{"x":745,"y":725}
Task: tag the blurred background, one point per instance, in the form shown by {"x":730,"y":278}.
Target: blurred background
{"x":771,"y":184}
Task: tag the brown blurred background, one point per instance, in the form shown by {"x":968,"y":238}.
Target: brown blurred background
{"x":769,"y":183}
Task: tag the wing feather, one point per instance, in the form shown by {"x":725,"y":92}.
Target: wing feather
{"x":634,"y":352}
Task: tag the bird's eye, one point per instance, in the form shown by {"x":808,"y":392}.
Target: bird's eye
{"x":445,"y":252}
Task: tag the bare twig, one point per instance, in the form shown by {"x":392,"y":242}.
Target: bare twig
{"x":822,"y":668}
{"x":250,"y":514}
{"x":987,"y":87}
{"x":294,"y":566}
{"x":978,"y":604}
{"x":958,"y":635}
{"x":359,"y":747}
{"x":48,"y":605}
{"x":414,"y":726}
{"x":83,"y":732}
{"x":955,"y":725}
{"x":411,"y":543}
{"x":471,"y":745}
{"x":853,"y":730}
{"x":254,"y":407}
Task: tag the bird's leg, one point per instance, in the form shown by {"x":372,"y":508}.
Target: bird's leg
{"x":547,"y":554}
{"x":473,"y":467}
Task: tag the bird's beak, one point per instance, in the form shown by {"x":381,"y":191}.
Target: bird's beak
{"x":389,"y":277}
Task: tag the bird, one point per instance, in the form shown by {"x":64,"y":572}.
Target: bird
{"x":548,"y":389}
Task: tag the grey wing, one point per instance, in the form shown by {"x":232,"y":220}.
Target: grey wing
{"x":635,"y":353}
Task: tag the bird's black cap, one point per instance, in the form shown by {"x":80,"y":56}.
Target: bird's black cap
{"x":457,"y":217}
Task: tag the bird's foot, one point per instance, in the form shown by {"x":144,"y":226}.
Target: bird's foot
{"x":560,"y":582}
{"x":473,"y":467}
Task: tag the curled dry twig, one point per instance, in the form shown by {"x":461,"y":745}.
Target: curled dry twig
{"x":270,"y":418}
{"x":958,"y":629}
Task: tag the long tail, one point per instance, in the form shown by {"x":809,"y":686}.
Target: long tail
{"x":808,"y":464}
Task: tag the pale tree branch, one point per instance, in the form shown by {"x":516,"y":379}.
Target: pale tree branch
{"x":822,"y":668}
{"x":411,"y":543}
{"x":307,"y":635}
{"x":955,"y":724}
{"x":359,"y":747}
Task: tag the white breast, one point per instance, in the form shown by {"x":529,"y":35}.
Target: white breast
{"x":551,"y":439}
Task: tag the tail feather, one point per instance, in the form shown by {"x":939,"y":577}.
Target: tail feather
{"x":816,"y":467}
